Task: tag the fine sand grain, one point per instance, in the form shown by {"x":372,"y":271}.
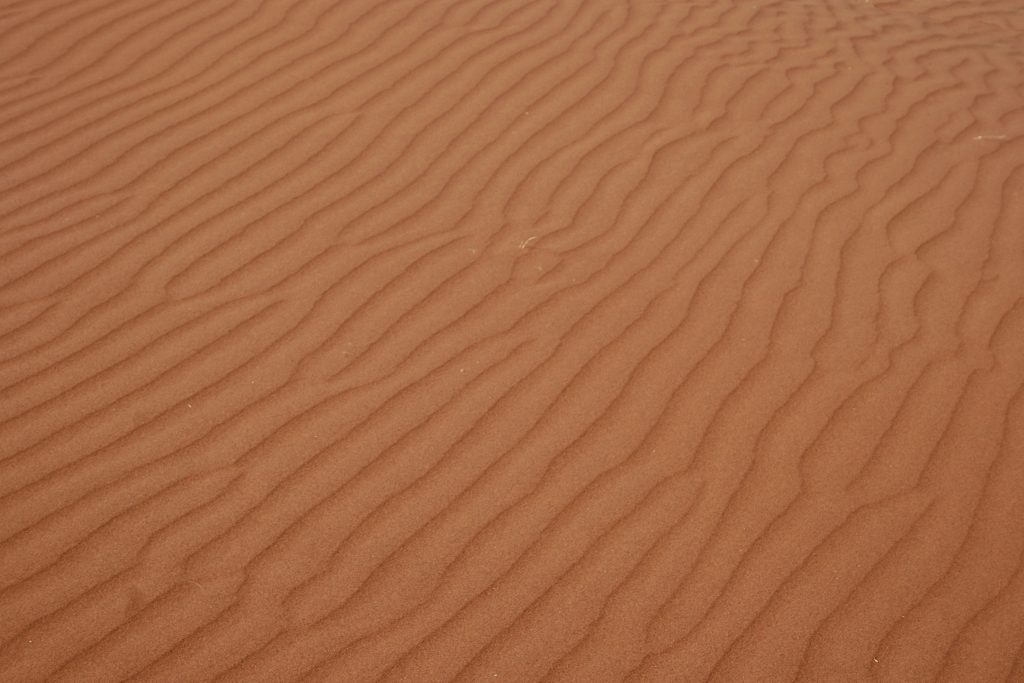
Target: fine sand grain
{"x":563,"y":340}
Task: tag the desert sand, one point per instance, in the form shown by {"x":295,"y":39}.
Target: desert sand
{"x":516,"y":340}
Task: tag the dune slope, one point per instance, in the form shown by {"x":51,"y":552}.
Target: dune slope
{"x":563,"y":340}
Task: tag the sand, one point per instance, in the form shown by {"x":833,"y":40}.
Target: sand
{"x":472,"y":340}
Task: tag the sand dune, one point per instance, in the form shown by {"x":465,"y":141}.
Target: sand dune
{"x":563,"y":340}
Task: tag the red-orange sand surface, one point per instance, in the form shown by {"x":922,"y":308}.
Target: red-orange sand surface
{"x":518,"y":340}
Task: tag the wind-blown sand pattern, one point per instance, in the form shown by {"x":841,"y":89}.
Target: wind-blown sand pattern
{"x":564,"y":340}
